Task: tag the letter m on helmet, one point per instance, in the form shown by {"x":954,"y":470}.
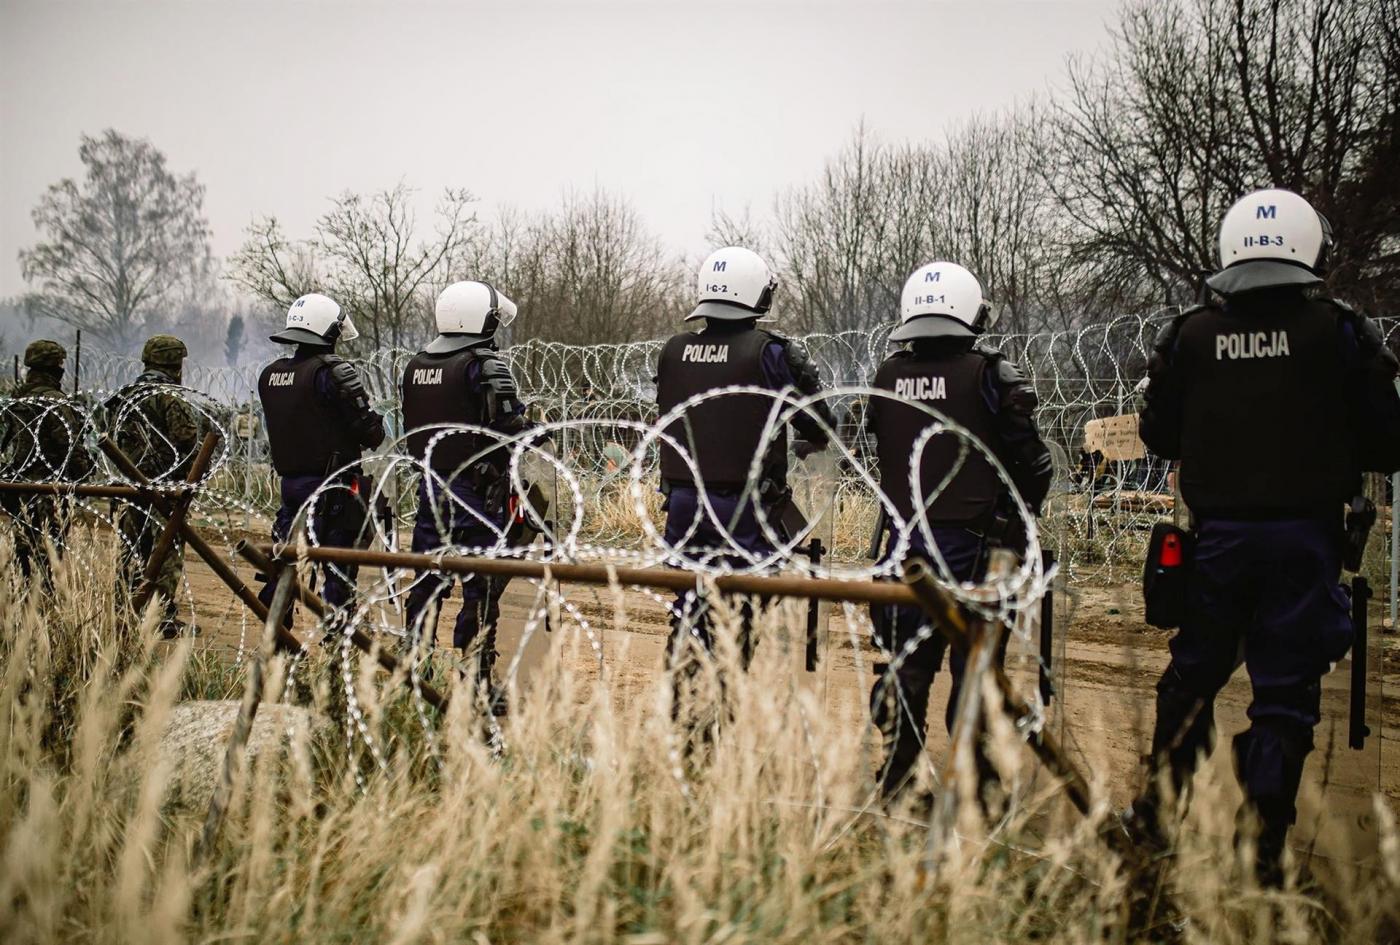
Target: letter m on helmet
{"x":719,"y":265}
{"x":932,"y":276}
{"x":1266,"y":213}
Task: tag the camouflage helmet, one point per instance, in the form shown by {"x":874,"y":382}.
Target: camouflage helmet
{"x":45,"y":355}
{"x":164,"y":351}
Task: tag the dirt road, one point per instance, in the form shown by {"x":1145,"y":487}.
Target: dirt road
{"x":1105,"y":674}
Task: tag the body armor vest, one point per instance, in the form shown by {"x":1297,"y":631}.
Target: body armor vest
{"x":435,"y":391}
{"x":309,"y":437}
{"x":1265,"y":425}
{"x":951,"y":384}
{"x":722,"y":434}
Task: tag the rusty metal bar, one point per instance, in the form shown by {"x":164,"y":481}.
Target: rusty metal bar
{"x":180,"y":508}
{"x":387,"y":661}
{"x":855,"y":592}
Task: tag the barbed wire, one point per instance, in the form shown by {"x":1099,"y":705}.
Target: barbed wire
{"x":586,"y":477}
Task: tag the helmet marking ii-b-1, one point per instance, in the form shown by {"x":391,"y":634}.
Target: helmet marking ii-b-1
{"x":942,"y":300}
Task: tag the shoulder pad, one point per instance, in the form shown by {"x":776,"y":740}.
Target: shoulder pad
{"x":1008,"y":373}
{"x":1338,"y":303}
{"x":1367,"y":331}
{"x":1166,"y":337}
{"x":495,"y":374}
{"x":776,"y":336}
{"x":804,"y":370}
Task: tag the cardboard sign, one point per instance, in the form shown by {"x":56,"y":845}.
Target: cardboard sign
{"x":245,"y":425}
{"x":1115,"y":437}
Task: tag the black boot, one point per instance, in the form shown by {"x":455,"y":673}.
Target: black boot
{"x":496,"y":696}
{"x":1266,"y":821}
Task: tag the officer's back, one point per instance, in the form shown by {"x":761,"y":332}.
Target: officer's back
{"x":1274,"y":398}
{"x":943,"y":369}
{"x":723,"y":434}
{"x":314,"y":402}
{"x":1267,"y":425}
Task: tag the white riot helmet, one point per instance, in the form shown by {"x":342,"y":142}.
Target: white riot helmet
{"x":469,"y":313}
{"x":942,"y":300}
{"x":734,"y":284}
{"x":1271,"y":238}
{"x":315,"y":319}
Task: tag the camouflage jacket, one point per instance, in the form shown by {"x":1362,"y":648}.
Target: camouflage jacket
{"x":160,"y":431}
{"x":39,"y":442}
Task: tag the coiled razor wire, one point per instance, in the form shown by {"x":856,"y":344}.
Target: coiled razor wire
{"x":603,"y":399}
{"x":593,"y":450}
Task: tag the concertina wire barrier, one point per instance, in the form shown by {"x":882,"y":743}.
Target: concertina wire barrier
{"x":593,"y":454}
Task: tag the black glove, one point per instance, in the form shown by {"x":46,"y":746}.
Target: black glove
{"x":804,"y":448}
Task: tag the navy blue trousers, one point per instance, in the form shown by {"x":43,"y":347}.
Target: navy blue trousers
{"x":336,"y":520}
{"x":899,"y":699}
{"x":443,"y":520}
{"x":709,"y":545}
{"x":1265,"y":594}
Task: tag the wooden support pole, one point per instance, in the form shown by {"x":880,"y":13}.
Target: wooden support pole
{"x":196,"y":542}
{"x":180,"y":507}
{"x":86,"y":492}
{"x":979,"y":639}
{"x":247,"y":712}
{"x":856,"y":592}
{"x":387,"y":661}
{"x":940,"y":607}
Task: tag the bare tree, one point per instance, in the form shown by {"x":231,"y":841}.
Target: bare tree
{"x":1198,"y":103}
{"x":368,"y":255}
{"x":127,"y":240}
{"x":589,"y":273}
{"x":833,"y":240}
{"x":847,"y":243}
{"x":274,"y":268}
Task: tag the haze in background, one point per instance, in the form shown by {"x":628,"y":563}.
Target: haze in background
{"x":679,"y":106}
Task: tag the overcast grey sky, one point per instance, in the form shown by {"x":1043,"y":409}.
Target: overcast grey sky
{"x":679,"y":105}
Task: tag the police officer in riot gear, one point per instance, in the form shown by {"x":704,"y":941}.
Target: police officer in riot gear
{"x":722,"y":435}
{"x":460,"y":378}
{"x":1273,"y":398}
{"x":965,"y":504}
{"x":319,"y":421}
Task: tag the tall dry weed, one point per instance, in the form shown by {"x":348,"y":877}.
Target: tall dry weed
{"x":587,"y":818}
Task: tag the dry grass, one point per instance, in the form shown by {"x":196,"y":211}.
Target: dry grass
{"x":590,"y":826}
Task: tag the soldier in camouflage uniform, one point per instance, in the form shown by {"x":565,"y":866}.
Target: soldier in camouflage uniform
{"x":160,"y":431}
{"x":40,"y":442}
